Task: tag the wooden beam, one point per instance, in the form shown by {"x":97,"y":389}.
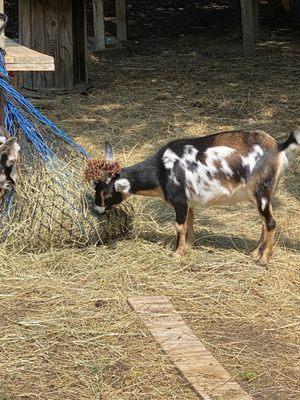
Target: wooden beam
{"x":21,"y":58}
{"x":2,"y":99}
{"x":204,"y":373}
{"x":121,"y":13}
{"x":255,"y":7}
{"x":99,"y":28}
{"x":2,"y":41}
{"x":248,"y":28}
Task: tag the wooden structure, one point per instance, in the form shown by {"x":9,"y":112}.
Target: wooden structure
{"x":250,"y":26}
{"x":20,"y":58}
{"x":249,"y":14}
{"x":57,"y":28}
{"x":204,"y":373}
{"x":99,"y":25}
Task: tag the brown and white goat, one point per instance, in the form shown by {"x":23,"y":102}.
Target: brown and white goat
{"x":220,"y":169}
{"x":9,"y":153}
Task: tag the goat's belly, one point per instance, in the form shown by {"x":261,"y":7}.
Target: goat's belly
{"x":222,"y":197}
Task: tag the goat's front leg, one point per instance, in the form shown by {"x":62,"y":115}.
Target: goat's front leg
{"x":190,"y":235}
{"x":181,"y":210}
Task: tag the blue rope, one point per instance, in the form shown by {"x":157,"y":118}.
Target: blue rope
{"x":2,"y":65}
{"x":19,"y":101}
{"x":30,"y":131}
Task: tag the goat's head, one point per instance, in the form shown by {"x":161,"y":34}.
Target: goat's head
{"x":9,"y":154}
{"x":104,"y":174}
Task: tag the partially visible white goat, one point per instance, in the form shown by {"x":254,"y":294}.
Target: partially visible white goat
{"x":9,"y":155}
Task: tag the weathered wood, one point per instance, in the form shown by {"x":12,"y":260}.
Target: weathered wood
{"x":121,"y":13}
{"x":2,"y":40}
{"x":80,"y":49}
{"x":255,"y":8}
{"x":51,"y":40}
{"x":99,"y":25}
{"x":204,"y":373}
{"x":21,"y":58}
{"x":248,"y":28}
{"x":2,"y":45}
{"x":25,"y":39}
{"x":38,"y":39}
{"x":56,"y":27}
{"x":65,"y":27}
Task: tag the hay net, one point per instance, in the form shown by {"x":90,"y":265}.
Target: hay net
{"x":51,"y":204}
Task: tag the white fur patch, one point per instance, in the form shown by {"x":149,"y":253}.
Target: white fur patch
{"x":264,"y":203}
{"x":100,"y":210}
{"x":2,"y":139}
{"x":169,"y":158}
{"x":250,"y":160}
{"x":297,"y":136}
{"x":122,"y":185}
{"x":14,"y":154}
{"x":219,"y":154}
{"x":201,"y":185}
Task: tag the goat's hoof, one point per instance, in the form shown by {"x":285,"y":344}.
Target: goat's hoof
{"x":256,"y":254}
{"x":178,"y":254}
{"x":263,"y":261}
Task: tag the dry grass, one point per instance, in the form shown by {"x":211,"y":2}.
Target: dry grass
{"x":66,"y":330}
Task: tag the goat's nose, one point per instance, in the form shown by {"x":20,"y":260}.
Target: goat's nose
{"x":100,"y":210}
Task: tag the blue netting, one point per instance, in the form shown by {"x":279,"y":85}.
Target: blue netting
{"x":52,"y":204}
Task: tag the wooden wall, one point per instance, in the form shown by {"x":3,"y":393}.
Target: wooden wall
{"x":57,"y":28}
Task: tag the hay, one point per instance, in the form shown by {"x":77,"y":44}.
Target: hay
{"x":53,"y":204}
{"x":66,"y":329}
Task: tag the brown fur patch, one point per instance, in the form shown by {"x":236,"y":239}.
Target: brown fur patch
{"x":157,"y":192}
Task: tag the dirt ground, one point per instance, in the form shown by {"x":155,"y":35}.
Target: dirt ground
{"x":66,"y":330}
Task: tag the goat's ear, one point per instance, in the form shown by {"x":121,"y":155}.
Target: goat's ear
{"x":9,"y":152}
{"x":108,"y":152}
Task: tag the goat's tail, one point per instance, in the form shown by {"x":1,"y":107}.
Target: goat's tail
{"x":292,"y":142}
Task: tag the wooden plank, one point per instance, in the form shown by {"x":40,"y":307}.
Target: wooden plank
{"x":51,"y":11}
{"x":2,"y":40}
{"x":248,"y":28}
{"x":38,"y":39}
{"x":2,"y":98}
{"x":203,"y":372}
{"x":99,"y":26}
{"x":121,"y":13}
{"x":79,"y":42}
{"x":24,"y":38}
{"x":65,"y":28}
{"x":255,"y":8}
{"x":21,"y":58}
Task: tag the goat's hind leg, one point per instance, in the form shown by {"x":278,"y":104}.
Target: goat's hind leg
{"x":264,"y":249}
{"x":256,"y":253}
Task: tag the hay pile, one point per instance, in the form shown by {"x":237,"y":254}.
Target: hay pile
{"x":53,"y":205}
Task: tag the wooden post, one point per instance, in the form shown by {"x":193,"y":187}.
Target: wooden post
{"x":2,"y":45}
{"x":99,"y":28}
{"x":121,"y":11}
{"x":248,"y":28}
{"x":57,"y":28}
{"x":255,"y":7}
{"x":2,"y":42}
